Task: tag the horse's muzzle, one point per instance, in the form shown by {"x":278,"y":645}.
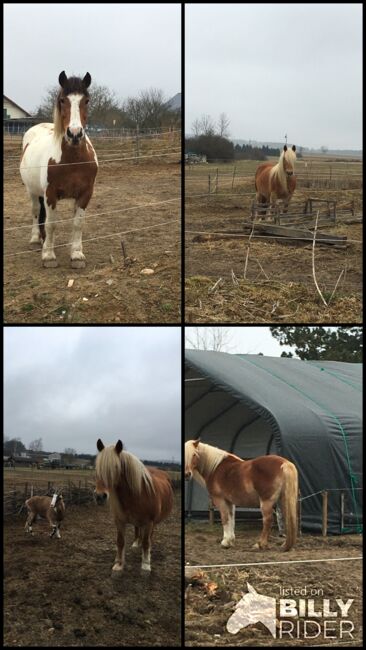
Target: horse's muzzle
{"x":187,"y":475}
{"x":290,"y":173}
{"x":74,"y":137}
{"x":100,"y":498}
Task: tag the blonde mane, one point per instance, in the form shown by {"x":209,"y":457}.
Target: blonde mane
{"x":57,"y":121}
{"x":208,"y":457}
{"x":278,"y":170}
{"x":110,"y":467}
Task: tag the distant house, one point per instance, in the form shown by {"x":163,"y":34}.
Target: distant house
{"x":12,"y":111}
{"x":54,"y":459}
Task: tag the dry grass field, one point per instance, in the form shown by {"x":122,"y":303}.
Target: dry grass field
{"x":278,"y":285}
{"x":136,"y":202}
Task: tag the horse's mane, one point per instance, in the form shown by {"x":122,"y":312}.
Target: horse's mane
{"x":110,"y":467}
{"x":278,"y":169}
{"x":209,"y":457}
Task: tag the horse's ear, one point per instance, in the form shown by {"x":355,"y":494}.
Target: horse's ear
{"x":87,"y":80}
{"x":285,"y":147}
{"x":293,"y":148}
{"x":62,"y":79}
{"x":118,"y":448}
{"x":196,"y":442}
{"x":100,"y":445}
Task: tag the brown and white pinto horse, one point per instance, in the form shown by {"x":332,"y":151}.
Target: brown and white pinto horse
{"x":50,"y":508}
{"x":231,"y":482}
{"x":138,"y":495}
{"x":273,"y":182}
{"x":59,"y":162}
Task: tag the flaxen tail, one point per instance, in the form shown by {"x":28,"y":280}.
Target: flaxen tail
{"x":289,"y":503}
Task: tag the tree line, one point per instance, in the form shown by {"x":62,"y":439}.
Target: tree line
{"x":149,"y":109}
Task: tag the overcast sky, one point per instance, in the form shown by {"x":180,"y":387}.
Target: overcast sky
{"x":277,"y":69}
{"x":245,"y":340}
{"x":126,"y":47}
{"x":72,"y":385}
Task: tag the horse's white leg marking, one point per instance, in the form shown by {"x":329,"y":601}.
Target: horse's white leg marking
{"x":146,"y":548}
{"x":58,"y":534}
{"x":77,"y":256}
{"x":54,"y":528}
{"x":48,"y":253}
{"x":35,"y":235}
{"x":120,"y":556}
{"x":229,"y":527}
{"x":227,"y":513}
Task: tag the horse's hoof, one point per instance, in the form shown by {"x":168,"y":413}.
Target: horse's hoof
{"x":226,"y":544}
{"x":136,"y":545}
{"x":50,"y":264}
{"x":145,"y":569}
{"x":78,"y":264}
{"x":117,"y":567}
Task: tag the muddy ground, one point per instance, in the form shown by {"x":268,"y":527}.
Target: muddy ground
{"x":278,"y":284}
{"x":207,"y":609}
{"x":111,"y":288}
{"x":60,"y":592}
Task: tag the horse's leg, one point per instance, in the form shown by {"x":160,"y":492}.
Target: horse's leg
{"x":28,"y":524}
{"x":35,"y":239}
{"x":120,"y":557}
{"x":58,"y":534}
{"x":48,"y":253}
{"x":267,"y":512}
{"x":146,"y":547}
{"x":227,"y":514}
{"x":54,"y":530}
{"x":77,"y":255}
{"x":137,"y":540}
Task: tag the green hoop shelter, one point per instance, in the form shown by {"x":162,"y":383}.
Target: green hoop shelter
{"x":307,"y":411}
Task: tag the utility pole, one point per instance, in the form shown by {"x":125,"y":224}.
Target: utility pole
{"x":286,"y":139}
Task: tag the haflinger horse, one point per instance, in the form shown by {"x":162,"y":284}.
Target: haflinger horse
{"x":59,"y":162}
{"x":50,"y":508}
{"x":137,"y":495}
{"x":231,"y":482}
{"x":273,"y":182}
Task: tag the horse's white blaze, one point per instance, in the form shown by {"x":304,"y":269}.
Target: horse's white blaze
{"x":75,"y":124}
{"x":53,"y":500}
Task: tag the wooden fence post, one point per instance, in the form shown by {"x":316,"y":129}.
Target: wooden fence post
{"x":234,"y":172}
{"x":217,"y":180}
{"x":299,"y":514}
{"x":342,"y":512}
{"x":324,"y":513}
{"x":211,"y":512}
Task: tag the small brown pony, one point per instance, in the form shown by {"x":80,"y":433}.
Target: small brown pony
{"x":231,"y":482}
{"x":138,"y":495}
{"x":273,"y":182}
{"x":50,"y":508}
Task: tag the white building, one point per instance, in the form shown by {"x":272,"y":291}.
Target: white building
{"x":11,"y":110}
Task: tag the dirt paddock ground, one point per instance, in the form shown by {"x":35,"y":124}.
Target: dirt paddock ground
{"x":111,"y":288}
{"x":60,"y":592}
{"x":210,"y":600}
{"x":278,"y":283}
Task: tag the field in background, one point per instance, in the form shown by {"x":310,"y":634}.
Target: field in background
{"x":136,"y":201}
{"x":279,"y":284}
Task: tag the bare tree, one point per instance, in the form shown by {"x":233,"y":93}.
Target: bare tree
{"x":36,"y":445}
{"x":223,"y":125}
{"x":204,"y":126}
{"x":208,"y":338}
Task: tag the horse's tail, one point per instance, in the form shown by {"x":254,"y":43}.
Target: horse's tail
{"x":289,"y":503}
{"x":42,"y":218}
